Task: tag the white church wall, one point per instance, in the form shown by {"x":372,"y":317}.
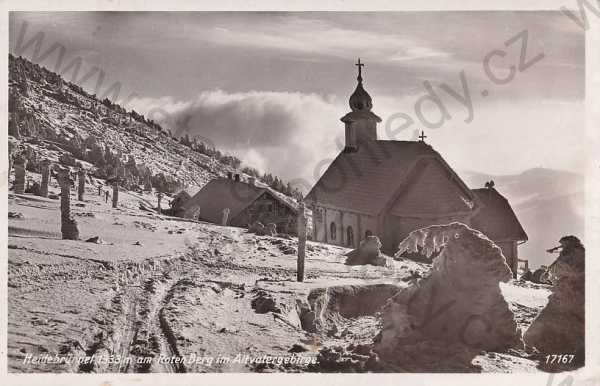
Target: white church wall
{"x":335,"y":217}
{"x":319,"y":224}
{"x":360,"y":223}
{"x":350,"y":220}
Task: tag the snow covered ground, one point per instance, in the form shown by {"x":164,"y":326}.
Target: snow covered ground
{"x":161,"y":287}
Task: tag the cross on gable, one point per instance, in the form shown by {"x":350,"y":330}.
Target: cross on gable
{"x":422,"y":136}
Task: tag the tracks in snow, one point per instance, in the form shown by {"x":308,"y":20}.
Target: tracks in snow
{"x":135,"y":332}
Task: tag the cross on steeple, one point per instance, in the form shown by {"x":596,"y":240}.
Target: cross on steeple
{"x":422,"y":136}
{"x":359,"y":65}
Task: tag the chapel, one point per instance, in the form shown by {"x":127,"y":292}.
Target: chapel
{"x":390,"y":188}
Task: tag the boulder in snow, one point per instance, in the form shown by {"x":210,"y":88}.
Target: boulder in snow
{"x":368,"y":252}
{"x":257,"y":227}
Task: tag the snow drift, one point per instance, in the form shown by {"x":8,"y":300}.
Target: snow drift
{"x":443,"y":321}
{"x":560,"y":326}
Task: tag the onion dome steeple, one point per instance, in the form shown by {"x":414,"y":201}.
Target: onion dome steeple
{"x":361,"y":123}
{"x":360,"y":100}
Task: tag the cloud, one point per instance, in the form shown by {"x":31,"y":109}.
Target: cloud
{"x":296,"y":135}
{"x":285,"y":133}
{"x":292,"y":34}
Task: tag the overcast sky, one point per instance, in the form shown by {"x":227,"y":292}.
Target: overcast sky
{"x":271,"y":87}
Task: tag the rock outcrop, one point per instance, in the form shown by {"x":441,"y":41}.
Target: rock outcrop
{"x":368,"y":252}
{"x":444,"y":320}
{"x":560,"y":326}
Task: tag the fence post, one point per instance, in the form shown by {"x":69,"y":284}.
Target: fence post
{"x":301,"y":242}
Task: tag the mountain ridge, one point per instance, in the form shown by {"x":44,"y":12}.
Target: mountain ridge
{"x":51,"y":118}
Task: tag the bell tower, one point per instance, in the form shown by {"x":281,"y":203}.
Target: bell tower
{"x":361,"y":123}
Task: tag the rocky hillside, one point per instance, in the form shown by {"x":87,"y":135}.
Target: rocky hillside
{"x":55,"y":119}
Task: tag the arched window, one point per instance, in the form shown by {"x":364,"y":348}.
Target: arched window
{"x":320,"y":215}
{"x":368,"y":233}
{"x":350,"y":236}
{"x":332,"y":230}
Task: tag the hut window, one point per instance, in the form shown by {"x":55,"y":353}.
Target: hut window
{"x":270,"y":208}
{"x":332,"y":231}
{"x":350,"y":236}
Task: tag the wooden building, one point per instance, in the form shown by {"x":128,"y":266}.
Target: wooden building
{"x":178,"y":202}
{"x":498,"y":221}
{"x":246,"y":202}
{"x":390,"y":188}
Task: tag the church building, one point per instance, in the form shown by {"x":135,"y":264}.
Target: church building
{"x":390,"y":188}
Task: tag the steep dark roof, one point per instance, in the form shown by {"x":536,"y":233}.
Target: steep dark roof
{"x":190,"y":190}
{"x":180,"y":199}
{"x":366,"y":180}
{"x":222,"y":193}
{"x":183,"y":194}
{"x":496,"y":219}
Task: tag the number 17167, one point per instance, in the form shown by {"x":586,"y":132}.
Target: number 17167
{"x":559,"y":358}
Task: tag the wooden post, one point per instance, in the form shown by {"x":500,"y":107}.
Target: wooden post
{"x":81,"y":183}
{"x":45,"y":178}
{"x":160,"y":196}
{"x":20,"y":164}
{"x":225,"y":216}
{"x":68,"y":227}
{"x":12,"y":148}
{"x":301,"y":223}
{"x":196,"y":213}
{"x":115,"y":197}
